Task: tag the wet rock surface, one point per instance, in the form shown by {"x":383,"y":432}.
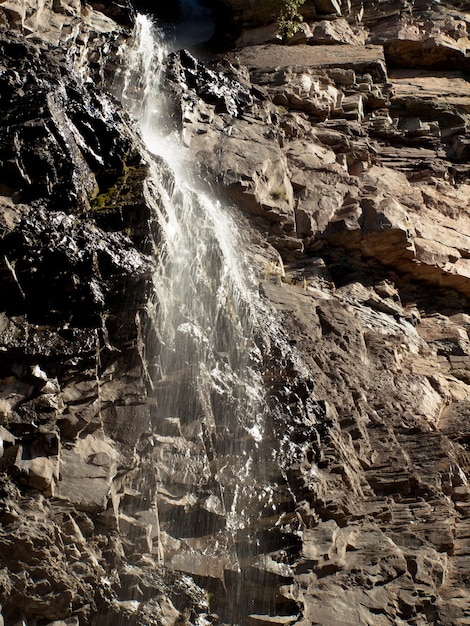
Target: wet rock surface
{"x":346,"y":153}
{"x":75,"y":234}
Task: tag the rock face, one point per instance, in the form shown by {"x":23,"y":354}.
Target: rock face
{"x":344,"y":152}
{"x":75,"y":236}
{"x":350,"y":160}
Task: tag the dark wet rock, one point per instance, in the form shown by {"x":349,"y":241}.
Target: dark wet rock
{"x":72,"y":230}
{"x":214,"y":88}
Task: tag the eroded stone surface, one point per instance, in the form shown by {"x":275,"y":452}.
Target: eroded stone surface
{"x":347,"y":155}
{"x":372,"y":231}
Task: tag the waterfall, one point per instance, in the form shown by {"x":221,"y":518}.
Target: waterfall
{"x":203,"y":352}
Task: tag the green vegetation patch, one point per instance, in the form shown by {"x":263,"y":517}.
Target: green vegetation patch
{"x":290,"y":18}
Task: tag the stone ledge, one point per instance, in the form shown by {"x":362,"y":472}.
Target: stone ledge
{"x":358,"y":58}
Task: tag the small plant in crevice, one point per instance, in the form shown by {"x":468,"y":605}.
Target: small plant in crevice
{"x":111,"y":195}
{"x":289,"y":19}
{"x":274,"y":269}
{"x":278,"y":193}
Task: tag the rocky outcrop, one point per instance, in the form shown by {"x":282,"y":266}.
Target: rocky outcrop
{"x":343,"y":154}
{"x":75,"y":235}
{"x":350,"y":161}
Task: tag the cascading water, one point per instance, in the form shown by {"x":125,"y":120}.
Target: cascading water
{"x":205,"y":364}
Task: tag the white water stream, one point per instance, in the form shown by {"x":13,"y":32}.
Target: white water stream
{"x":206,"y":300}
{"x":207,"y":362}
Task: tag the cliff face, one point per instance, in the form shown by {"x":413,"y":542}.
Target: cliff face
{"x":352,"y":163}
{"x":76,"y":234}
{"x":344,"y":155}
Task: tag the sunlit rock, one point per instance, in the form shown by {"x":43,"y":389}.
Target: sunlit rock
{"x":174,"y":450}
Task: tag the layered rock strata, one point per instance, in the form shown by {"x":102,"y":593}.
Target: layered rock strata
{"x":344,"y":153}
{"x":350,"y":161}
